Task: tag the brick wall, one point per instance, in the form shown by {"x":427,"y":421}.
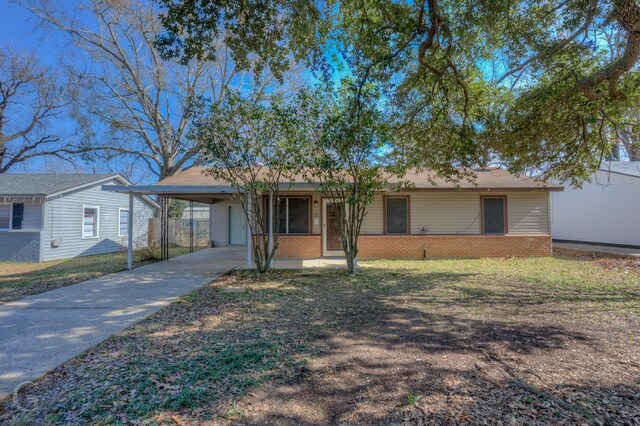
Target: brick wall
{"x":299,"y":247}
{"x":451,"y":246}
{"x":411,"y":246}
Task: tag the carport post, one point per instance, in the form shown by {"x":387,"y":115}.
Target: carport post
{"x":249,"y":232}
{"x":130,"y":233}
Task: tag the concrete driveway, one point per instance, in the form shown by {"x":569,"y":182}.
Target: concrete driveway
{"x":40,"y":332}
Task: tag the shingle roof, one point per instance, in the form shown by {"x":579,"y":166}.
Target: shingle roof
{"x":43,"y":184}
{"x":491,"y":178}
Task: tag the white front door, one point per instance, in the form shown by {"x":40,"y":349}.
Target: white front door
{"x":331,"y":239}
{"x":237,"y":226}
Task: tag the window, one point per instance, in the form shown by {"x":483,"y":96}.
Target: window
{"x":123,"y":222}
{"x":5,"y":216}
{"x":396,"y":215}
{"x":493,"y":215}
{"x":17,"y":215}
{"x":293,"y":215}
{"x":90,"y":222}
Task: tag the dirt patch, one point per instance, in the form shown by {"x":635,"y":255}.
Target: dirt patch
{"x":625,"y":264}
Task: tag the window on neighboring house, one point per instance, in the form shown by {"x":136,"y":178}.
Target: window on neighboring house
{"x":17,"y":215}
{"x":293,"y":215}
{"x":123,"y":222}
{"x":493,"y":215}
{"x":5,"y":216}
{"x":397,"y":215}
{"x":90,"y":222}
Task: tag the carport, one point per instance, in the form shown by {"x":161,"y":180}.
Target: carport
{"x":192,"y":193}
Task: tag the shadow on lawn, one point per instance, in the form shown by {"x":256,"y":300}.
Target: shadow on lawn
{"x":382,"y":346}
{"x":328,"y":349}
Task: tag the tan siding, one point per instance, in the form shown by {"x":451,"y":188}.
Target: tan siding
{"x":528,"y":213}
{"x":445,"y":213}
{"x":373,"y":220}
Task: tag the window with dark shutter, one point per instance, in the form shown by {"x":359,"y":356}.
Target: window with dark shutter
{"x":493,"y":215}
{"x":17,"y":215}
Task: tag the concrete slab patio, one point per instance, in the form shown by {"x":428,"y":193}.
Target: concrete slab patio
{"x":40,"y":332}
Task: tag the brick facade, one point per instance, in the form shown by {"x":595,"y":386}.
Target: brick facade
{"x":299,"y":247}
{"x":412,"y":246}
{"x":452,"y":246}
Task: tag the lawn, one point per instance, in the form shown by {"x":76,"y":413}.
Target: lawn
{"x":501,"y":341}
{"x":18,"y":280}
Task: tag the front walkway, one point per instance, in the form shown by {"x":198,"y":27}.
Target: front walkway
{"x":40,"y":332}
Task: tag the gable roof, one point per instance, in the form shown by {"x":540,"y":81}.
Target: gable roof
{"x":44,"y":185}
{"x":489,"y":178}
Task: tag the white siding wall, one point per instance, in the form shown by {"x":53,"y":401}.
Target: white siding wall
{"x":603,"y":211}
{"x":63,"y":222}
{"x":219,"y":217}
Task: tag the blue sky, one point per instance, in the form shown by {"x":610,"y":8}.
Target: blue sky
{"x":19,"y":31}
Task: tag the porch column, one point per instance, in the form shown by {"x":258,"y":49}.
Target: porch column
{"x":130,"y":233}
{"x":249,"y":233}
{"x":271,"y":226}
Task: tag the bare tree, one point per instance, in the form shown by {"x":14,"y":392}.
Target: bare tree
{"x":127,"y":99}
{"x":30,"y":101}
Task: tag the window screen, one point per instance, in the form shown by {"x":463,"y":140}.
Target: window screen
{"x":123,"y":228}
{"x":17,"y":215}
{"x":397,"y":216}
{"x":90,"y":222}
{"x":5,"y":216}
{"x":493,"y":215}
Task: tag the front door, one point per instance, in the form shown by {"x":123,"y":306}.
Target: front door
{"x":331,"y":239}
{"x":237,"y":226}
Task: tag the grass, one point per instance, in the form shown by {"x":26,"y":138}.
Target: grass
{"x":524,"y":341}
{"x":18,"y":280}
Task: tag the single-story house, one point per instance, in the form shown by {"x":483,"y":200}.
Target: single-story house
{"x":604,"y":211}
{"x":57,"y":216}
{"x":500,"y":215}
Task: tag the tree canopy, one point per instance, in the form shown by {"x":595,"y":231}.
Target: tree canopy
{"x":544,"y":85}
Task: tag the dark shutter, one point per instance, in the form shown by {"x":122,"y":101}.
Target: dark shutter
{"x":493,"y":210}
{"x":18,"y":214}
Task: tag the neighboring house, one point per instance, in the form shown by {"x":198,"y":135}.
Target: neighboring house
{"x":503,"y":215}
{"x":605,"y":211}
{"x":56,"y":216}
